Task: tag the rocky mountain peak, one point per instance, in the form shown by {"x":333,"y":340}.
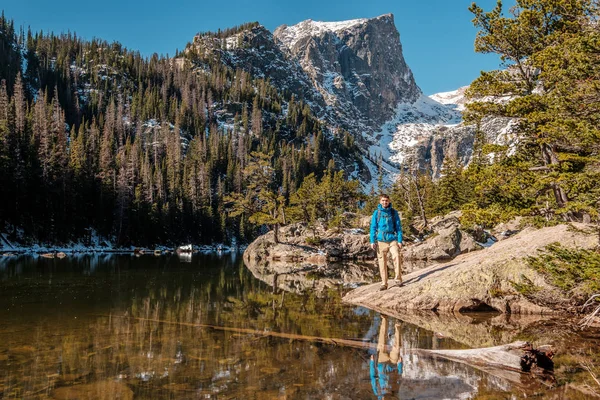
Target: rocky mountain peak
{"x":356,"y":65}
{"x":353,"y":76}
{"x":290,"y":35}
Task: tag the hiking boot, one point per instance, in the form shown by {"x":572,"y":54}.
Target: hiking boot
{"x":398,"y":282}
{"x":383,"y":287}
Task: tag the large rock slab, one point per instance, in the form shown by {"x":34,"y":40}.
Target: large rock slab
{"x":446,"y":242}
{"x":299,"y":243}
{"x":480,"y":280}
{"x":307,"y":259}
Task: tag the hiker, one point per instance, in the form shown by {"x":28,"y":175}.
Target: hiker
{"x":386,"y":237}
{"x":386,"y":368}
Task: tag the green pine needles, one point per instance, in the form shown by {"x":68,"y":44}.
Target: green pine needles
{"x":549,"y":83}
{"x":573,"y":270}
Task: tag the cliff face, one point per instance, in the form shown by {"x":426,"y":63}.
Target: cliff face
{"x":353,"y":76}
{"x":457,"y":141}
{"x":255,"y":51}
{"x":351,"y":73}
{"x":357,"y":66}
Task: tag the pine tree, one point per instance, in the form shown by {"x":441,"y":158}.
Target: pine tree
{"x":41,"y":135}
{"x":88,"y":127}
{"x":20,"y":106}
{"x":261,"y":204}
{"x":451,"y":190}
{"x":257,"y":122}
{"x":550,"y":51}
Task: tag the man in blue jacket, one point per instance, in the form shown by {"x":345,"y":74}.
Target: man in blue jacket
{"x":386,"y":237}
{"x":386,"y":368}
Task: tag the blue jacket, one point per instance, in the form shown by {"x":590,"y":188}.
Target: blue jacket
{"x":385,"y":225}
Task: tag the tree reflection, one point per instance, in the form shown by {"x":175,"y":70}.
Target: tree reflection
{"x":156,"y":328}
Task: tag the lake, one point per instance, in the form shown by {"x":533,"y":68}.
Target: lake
{"x":122,"y":326}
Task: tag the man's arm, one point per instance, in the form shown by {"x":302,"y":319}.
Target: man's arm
{"x":399,"y":228}
{"x":373,"y":231}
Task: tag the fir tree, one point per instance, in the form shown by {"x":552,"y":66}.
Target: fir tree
{"x":550,"y":52}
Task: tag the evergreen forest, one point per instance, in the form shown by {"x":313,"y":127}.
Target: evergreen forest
{"x":96,"y":139}
{"x":548,"y":83}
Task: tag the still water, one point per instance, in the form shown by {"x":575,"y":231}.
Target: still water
{"x":119,"y":326}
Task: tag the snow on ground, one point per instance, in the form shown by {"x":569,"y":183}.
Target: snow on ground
{"x":231,"y":42}
{"x":97,"y":244}
{"x":411,"y":122}
{"x":389,"y":172}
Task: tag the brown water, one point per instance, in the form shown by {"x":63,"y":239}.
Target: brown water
{"x":119,"y":326}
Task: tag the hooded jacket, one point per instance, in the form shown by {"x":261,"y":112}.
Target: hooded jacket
{"x":385,"y":225}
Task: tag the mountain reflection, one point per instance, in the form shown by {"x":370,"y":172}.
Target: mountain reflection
{"x":157,"y":327}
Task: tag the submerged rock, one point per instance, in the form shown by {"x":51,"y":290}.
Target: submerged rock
{"x":311,"y":259}
{"x":98,"y":390}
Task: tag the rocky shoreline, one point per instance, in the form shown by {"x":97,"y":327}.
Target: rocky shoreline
{"x":485,"y":280}
{"x":50,"y":251}
{"x":460,"y":274}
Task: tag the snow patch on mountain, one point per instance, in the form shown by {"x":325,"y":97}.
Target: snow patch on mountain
{"x":454,"y":97}
{"x":290,"y":35}
{"x":411,"y":122}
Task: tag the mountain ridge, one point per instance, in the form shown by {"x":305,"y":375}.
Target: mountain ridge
{"x":352,"y":74}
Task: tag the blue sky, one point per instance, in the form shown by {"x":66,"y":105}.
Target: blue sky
{"x":437,"y":35}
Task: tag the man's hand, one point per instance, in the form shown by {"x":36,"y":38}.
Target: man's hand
{"x":399,"y":245}
{"x":374,"y":246}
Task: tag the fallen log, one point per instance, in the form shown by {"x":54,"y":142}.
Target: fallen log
{"x":517,"y":356}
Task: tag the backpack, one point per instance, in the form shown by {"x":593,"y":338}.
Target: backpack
{"x":394,"y":213}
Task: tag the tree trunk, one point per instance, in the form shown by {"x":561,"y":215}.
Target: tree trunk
{"x":517,"y":356}
{"x":550,"y":158}
{"x":420,"y":200}
{"x":276,"y":233}
{"x":283,"y":216}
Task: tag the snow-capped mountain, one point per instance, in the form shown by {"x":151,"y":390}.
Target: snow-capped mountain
{"x":353,"y":76}
{"x":357,"y":66}
{"x":254,"y":50}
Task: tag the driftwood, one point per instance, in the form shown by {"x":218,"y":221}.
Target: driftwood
{"x":517,"y":356}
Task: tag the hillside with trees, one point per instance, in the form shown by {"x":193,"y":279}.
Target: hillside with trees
{"x":96,"y":139}
{"x":549,"y":83}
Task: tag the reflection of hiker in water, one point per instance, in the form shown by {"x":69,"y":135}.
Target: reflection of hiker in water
{"x":384,"y":366}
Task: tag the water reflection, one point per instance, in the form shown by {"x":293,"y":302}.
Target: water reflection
{"x":472,"y":329}
{"x":156,"y":327}
{"x":302,"y":278}
{"x":185,"y":257}
{"x":386,"y":368}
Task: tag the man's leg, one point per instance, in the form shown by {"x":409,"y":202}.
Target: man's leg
{"x":395,"y":353}
{"x":395,"y":251}
{"x":382,"y":355}
{"x":382,"y":251}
